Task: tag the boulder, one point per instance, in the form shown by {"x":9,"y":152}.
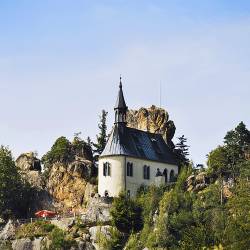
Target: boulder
{"x":37,"y":244}
{"x":97,"y":211}
{"x":30,"y":168}
{"x":22,"y":244}
{"x":64,"y":223}
{"x":97,"y":230}
{"x":154,"y":120}
{"x":200,"y":178}
{"x":196,"y":182}
{"x":8,"y":232}
{"x":28,"y":162}
{"x":84,"y":245}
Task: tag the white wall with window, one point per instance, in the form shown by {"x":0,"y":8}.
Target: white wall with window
{"x":144,"y":173}
{"x":112,"y":184}
{"x":120,"y":173}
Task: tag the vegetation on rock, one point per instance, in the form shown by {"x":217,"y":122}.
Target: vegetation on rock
{"x":35,"y":229}
{"x":102,"y":136}
{"x":226,"y":160}
{"x":205,"y":218}
{"x":181,"y":149}
{"x":14,"y":191}
{"x":126,"y":214}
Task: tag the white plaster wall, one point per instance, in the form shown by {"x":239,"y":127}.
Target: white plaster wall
{"x":133,"y":183}
{"x":115,"y":183}
{"x":119,"y":181}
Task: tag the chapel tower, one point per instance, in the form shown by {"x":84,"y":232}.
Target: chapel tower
{"x":121,"y":108}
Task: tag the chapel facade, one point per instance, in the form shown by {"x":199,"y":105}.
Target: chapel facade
{"x":133,"y":157}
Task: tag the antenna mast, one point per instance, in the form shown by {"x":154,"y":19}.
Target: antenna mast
{"x":160,"y":94}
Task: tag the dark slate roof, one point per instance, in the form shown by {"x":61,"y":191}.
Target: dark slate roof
{"x":140,"y":144}
{"x":120,"y":102}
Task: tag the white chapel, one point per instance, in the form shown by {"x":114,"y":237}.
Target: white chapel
{"x":133,"y":157}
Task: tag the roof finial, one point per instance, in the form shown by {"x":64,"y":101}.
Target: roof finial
{"x":120,"y":81}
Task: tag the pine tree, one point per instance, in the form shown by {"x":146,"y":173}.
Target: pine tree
{"x":14,"y":192}
{"x":102,"y":136}
{"x":237,"y":143}
{"x":89,"y":142}
{"x":182,"y":150}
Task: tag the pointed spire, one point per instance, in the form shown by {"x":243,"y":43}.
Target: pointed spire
{"x":120,"y":107}
{"x":120,"y":85}
{"x":120,"y":103}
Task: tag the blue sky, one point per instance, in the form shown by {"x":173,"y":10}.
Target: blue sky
{"x":60,"y":63}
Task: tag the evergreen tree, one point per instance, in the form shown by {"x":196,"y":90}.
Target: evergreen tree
{"x":126,"y":214}
{"x":227,"y":159}
{"x":182,"y":150}
{"x":89,"y":142}
{"x":238,"y":223}
{"x":61,"y":151}
{"x":14,"y":192}
{"x":237,"y":142}
{"x":218,"y":161}
{"x":102,"y":136}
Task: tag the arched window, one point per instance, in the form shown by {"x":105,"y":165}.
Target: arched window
{"x":106,"y":169}
{"x":130,"y":169}
{"x":165,"y":174}
{"x":146,"y":172}
{"x":128,"y":193}
{"x":171,"y":176}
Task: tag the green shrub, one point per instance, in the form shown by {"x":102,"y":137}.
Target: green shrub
{"x":61,"y":151}
{"x":126,"y":214}
{"x":58,"y":239}
{"x":15,"y":192}
{"x":116,"y":241}
{"x":35,"y":229}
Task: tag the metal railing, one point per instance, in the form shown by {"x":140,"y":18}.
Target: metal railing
{"x":58,"y":218}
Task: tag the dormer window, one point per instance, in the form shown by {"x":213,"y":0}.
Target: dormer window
{"x":130,"y":169}
{"x":106,"y":169}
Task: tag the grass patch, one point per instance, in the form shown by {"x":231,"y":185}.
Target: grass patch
{"x":35,"y":229}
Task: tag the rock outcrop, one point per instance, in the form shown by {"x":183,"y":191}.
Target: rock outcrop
{"x":97,"y":231}
{"x":69,"y":184}
{"x":8,"y":232}
{"x":154,"y":120}
{"x":63,"y":186}
{"x":98,"y":210}
{"x":28,"y":162}
{"x":197,"y":182}
{"x":30,"y":168}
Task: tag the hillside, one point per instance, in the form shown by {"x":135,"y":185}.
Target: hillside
{"x":205,"y":208}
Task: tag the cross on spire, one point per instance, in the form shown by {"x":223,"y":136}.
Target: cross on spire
{"x":120,"y":85}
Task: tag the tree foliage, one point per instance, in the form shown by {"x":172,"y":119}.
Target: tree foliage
{"x":238,"y":207}
{"x":182,"y":151}
{"x":101,"y":138}
{"x":126,"y":214}
{"x":226,"y":159}
{"x":63,"y":151}
{"x":14,"y":191}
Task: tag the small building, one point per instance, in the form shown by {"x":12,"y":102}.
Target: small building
{"x":133,"y":157}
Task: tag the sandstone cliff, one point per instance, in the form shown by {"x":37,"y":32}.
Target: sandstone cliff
{"x":30,"y":168}
{"x":63,"y":186}
{"x":69,"y":184}
{"x":154,"y":120}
